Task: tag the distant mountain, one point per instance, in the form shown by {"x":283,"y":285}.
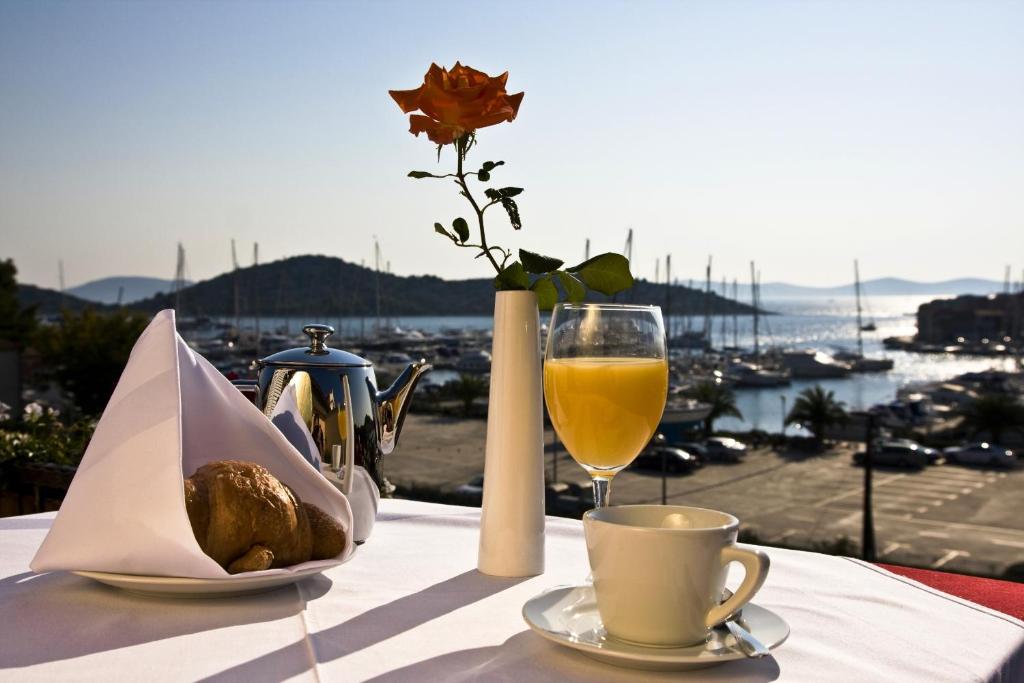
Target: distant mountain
{"x":49,"y":301}
{"x":330,"y":287}
{"x":135,"y":288}
{"x":885,"y":286}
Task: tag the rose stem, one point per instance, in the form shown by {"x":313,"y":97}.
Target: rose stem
{"x":460,"y":150}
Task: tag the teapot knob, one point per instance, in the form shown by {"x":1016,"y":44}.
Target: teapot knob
{"x":318,"y":335}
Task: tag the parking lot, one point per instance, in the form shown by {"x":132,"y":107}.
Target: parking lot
{"x":951,"y":517}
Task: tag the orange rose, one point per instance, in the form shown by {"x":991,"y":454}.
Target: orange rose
{"x":457,"y":102}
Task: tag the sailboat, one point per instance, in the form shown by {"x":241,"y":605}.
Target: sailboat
{"x":856,"y":360}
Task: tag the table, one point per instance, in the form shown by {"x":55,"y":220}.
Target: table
{"x":411,"y":607}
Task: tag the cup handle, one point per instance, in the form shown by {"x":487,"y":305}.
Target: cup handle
{"x":755,"y":564}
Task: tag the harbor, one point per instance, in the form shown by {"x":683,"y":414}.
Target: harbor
{"x":799,"y":330}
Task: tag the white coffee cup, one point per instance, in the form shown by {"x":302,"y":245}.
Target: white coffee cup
{"x":659,"y":571}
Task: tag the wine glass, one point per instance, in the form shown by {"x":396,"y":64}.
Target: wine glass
{"x":605,"y":383}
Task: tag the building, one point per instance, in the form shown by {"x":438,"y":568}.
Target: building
{"x":992,"y":319}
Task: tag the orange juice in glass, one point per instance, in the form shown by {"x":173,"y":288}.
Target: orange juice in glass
{"x":605,"y":383}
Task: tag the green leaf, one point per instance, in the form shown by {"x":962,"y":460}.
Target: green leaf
{"x":537,"y":264}
{"x":605,"y":273}
{"x":461,"y":228}
{"x":574,"y":290}
{"x":491,"y":165}
{"x":439,"y":229}
{"x":513,"y":213}
{"x":422,"y":174}
{"x":512,"y":277}
{"x":503,"y":193}
{"x":483,"y":176}
{"x":547,"y":294}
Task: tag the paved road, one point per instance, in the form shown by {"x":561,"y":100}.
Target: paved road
{"x":946,"y":516}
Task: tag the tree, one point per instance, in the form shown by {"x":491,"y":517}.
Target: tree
{"x":721,"y":399}
{"x":817,"y":410}
{"x":87,"y":352}
{"x":994,"y":414}
{"x":16,"y":323}
{"x":467,"y":389}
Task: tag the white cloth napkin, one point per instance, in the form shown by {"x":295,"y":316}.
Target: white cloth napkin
{"x":170,"y":413}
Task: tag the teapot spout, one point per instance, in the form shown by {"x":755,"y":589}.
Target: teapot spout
{"x":393,"y":403}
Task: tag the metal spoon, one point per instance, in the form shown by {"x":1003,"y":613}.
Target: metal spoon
{"x":751,"y":646}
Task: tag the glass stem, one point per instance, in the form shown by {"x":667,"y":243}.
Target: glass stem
{"x":601,"y":485}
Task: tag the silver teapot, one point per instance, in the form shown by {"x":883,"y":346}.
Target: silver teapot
{"x":366,"y":427}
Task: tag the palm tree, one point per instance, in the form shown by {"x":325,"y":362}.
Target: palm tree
{"x":468,"y":388}
{"x":721,"y":399}
{"x":994,"y":414}
{"x":817,"y":410}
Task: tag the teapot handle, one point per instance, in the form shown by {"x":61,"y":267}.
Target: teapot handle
{"x":249,"y":388}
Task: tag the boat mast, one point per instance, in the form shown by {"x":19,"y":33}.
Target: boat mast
{"x":735,"y":314}
{"x":856,"y":289}
{"x":689,"y":305}
{"x":753,"y":300}
{"x":707,"y":306}
{"x":668,"y":297}
{"x":725,"y":319}
{"x":376,"y":268}
{"x":179,"y":279}
{"x":627,"y":251}
{"x":60,"y":274}
{"x":255,"y":263}
{"x":234,"y":280}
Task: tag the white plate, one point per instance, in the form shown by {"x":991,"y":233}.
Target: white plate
{"x":568,"y":615}
{"x":238,"y":584}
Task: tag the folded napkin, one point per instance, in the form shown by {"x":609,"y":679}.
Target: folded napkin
{"x":170,"y":413}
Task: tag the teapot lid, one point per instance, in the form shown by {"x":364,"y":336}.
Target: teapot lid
{"x":317,"y":353}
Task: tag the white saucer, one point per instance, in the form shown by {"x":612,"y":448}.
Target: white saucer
{"x":568,"y":615}
{"x":238,"y":584}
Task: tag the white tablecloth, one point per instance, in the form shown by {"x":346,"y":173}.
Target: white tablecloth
{"x":411,"y":607}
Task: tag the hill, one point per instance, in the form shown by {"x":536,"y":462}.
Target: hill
{"x":135,"y":288}
{"x":886,"y":286}
{"x":50,"y":301}
{"x":323,"y":285}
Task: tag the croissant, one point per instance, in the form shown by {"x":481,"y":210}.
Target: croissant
{"x":247,"y":520}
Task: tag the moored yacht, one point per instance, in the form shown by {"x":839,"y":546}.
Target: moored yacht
{"x":751,"y":375}
{"x":474,"y":361}
{"x":859,"y":363}
{"x":681,"y":410}
{"x":811,"y":364}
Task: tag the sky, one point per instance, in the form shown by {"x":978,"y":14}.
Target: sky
{"x":801,"y":135}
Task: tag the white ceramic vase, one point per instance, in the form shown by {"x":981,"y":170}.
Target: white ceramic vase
{"x":512,"y":519}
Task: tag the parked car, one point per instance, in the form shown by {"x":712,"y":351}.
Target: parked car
{"x":676,"y":459}
{"x":696,"y":449}
{"x":933,"y":454}
{"x":568,"y":498}
{"x":724,"y":448}
{"x":895,"y":454}
{"x":474,"y":488}
{"x":981,"y":453}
